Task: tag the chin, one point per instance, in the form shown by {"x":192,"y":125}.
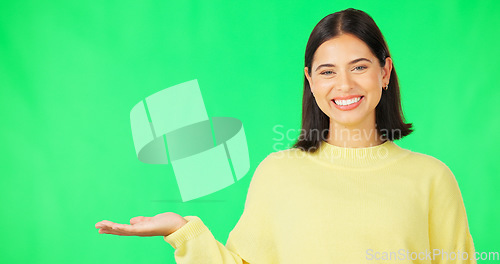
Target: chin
{"x":347,"y":121}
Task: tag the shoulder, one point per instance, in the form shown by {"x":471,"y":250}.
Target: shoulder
{"x":426,"y":160}
{"x":429,"y":166}
{"x":267,"y":176}
{"x":284,"y":157}
{"x":441,"y":182}
{"x":279,"y":161}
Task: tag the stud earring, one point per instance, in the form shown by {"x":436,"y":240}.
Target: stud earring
{"x":386,"y":87}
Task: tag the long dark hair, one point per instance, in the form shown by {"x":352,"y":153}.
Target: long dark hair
{"x":389,"y":115}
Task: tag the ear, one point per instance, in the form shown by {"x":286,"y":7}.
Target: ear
{"x":306,"y":73}
{"x":386,"y":71}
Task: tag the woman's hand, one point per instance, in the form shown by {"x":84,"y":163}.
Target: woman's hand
{"x":159,"y":225}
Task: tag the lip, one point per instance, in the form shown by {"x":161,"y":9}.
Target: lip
{"x":346,"y":97}
{"x":348,"y":107}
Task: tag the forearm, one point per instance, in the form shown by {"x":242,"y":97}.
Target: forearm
{"x":194,"y":243}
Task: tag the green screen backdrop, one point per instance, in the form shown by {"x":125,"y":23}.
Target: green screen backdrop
{"x":70,"y":73}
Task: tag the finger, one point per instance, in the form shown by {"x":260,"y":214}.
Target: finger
{"x":124,"y":230}
{"x":132,"y":230}
{"x":103,"y":231}
{"x":104,"y":223}
{"x":113,"y":232}
{"x":100,"y":225}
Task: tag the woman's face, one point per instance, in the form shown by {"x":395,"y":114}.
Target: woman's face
{"x":347,"y":79}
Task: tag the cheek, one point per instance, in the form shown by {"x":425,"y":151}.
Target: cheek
{"x":374,"y":93}
{"x":372,"y":81}
{"x":321,"y":86}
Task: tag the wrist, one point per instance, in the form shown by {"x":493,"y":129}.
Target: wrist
{"x":182,"y":221}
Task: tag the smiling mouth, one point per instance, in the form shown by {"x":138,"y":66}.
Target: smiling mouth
{"x":347,"y":102}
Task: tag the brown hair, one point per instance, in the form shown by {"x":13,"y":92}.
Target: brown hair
{"x":389,"y":115}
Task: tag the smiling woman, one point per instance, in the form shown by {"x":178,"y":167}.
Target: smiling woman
{"x":348,"y":91}
{"x":345,"y":192}
{"x":350,"y":84}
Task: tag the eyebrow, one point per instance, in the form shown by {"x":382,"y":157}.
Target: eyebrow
{"x":352,"y":62}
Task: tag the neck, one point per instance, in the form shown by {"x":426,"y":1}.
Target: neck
{"x":360,"y":135}
{"x":368,"y":157}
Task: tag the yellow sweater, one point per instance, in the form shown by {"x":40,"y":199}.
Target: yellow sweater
{"x":381,"y":204}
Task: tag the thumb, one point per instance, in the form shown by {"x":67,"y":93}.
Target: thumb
{"x":137,"y":219}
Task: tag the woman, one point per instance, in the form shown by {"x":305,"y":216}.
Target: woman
{"x":345,"y":193}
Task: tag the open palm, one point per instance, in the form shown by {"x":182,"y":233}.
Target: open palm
{"x":162,"y":224}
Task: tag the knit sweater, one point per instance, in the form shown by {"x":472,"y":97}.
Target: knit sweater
{"x":380,"y":204}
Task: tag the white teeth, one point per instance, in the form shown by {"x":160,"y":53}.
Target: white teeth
{"x":347,"y":102}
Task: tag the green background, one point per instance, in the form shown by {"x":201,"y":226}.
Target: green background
{"x":71,"y":72}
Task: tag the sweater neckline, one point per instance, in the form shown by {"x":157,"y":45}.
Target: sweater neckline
{"x":377,"y":155}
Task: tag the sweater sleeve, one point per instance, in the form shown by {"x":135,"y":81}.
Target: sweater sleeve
{"x":448,"y":225}
{"x":194,"y":243}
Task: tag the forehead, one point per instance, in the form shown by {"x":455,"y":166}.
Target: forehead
{"x":341,"y":50}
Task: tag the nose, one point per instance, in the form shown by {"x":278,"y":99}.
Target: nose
{"x":344,"y":81}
